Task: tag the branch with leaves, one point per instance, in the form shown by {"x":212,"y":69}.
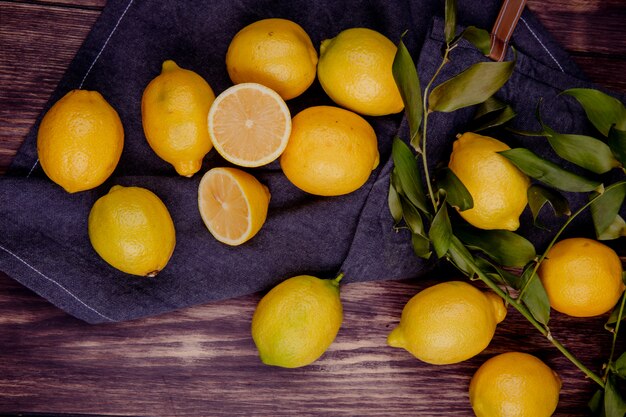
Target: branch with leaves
{"x":490,"y":256}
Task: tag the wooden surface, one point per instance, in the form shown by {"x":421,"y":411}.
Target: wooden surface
{"x":201,"y":361}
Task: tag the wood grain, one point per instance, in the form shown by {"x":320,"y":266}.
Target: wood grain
{"x":201,"y":361}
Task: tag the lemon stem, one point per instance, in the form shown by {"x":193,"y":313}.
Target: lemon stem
{"x":526,"y":313}
{"x":556,"y":237}
{"x":338,"y":278}
{"x":621,"y":311}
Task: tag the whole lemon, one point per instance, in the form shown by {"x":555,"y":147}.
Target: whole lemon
{"x":514,"y":384}
{"x":331,"y":151}
{"x":131,"y":229}
{"x":498,"y":188}
{"x":583,"y":277}
{"x":297,"y":320}
{"x":174,"y":110}
{"x":448,"y":323}
{"x":355,"y":71}
{"x":80,"y":141}
{"x":276,"y":53}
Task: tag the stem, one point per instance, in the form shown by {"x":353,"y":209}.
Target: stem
{"x":528,"y":315}
{"x":338,"y":277}
{"x":552,"y":242}
{"x":621,"y":311}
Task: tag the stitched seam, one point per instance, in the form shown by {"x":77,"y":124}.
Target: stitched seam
{"x":104,"y":45}
{"x":542,"y":45}
{"x":56,"y":283}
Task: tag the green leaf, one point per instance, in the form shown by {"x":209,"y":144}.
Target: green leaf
{"x":472,"y":86}
{"x":450,"y":20}
{"x":615,"y":230}
{"x":408,"y":174}
{"x":458,"y":196}
{"x":617,"y":143}
{"x":539,"y":195}
{"x":548,"y":172}
{"x":458,"y":256}
{"x":412,"y":217}
{"x":535,"y":297}
{"x":596,"y":403}
{"x":602,"y":110}
{"x":504,"y":247}
{"x":605,"y":208}
{"x":613,"y":318}
{"x":405,"y":74}
{"x":614,"y":403}
{"x":493,"y":119}
{"x":620,"y":366}
{"x":480,"y":38}
{"x":421,"y":245}
{"x":490,"y":105}
{"x":441,"y":231}
{"x":584,"y":151}
{"x":501,"y":275}
{"x":395,"y":206}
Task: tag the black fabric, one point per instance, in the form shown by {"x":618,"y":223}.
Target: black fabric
{"x":43,"y":230}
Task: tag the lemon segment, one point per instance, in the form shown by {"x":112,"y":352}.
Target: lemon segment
{"x":296,"y":321}
{"x":174,"y":109}
{"x":132,"y":230}
{"x":80,"y":141}
{"x":355,"y":70}
{"x":447,"y":323}
{"x":498,"y":188}
{"x":233,"y":204}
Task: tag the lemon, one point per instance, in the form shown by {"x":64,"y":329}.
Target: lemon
{"x":131,"y":229}
{"x":583,"y":277}
{"x":498,"y":188}
{"x":174,"y":110}
{"x":355,"y":71}
{"x":514,"y":384}
{"x":448,"y":323}
{"x":80,"y":141}
{"x":276,"y":53}
{"x":331,"y":151}
{"x":233,"y":204}
{"x":297,"y":321}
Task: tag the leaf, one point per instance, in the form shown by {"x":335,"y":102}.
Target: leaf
{"x":548,"y":172}
{"x":450,"y":20}
{"x":584,"y":151}
{"x":503,"y":276}
{"x":614,"y":315}
{"x":605,"y":207}
{"x":614,"y":403}
{"x":458,"y":195}
{"x":535,"y":297}
{"x":472,"y":86}
{"x":480,"y":38}
{"x":602,"y":110}
{"x":493,"y":119}
{"x":405,"y":75}
{"x":617,"y":143}
{"x":458,"y":256}
{"x":504,"y":247}
{"x":441,"y":231}
{"x":393,"y":200}
{"x":421,"y":245}
{"x":620,"y":366}
{"x":539,"y":195}
{"x":490,"y":105}
{"x":412,"y":217}
{"x":615,"y":230}
{"x":408,"y":174}
{"x":596,"y":403}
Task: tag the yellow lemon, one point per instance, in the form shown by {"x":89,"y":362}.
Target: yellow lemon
{"x":297,"y":321}
{"x":80,"y":141}
{"x":233,"y":204}
{"x":514,"y":384}
{"x":331,"y":151}
{"x":583,"y":277}
{"x":174,"y":110}
{"x":448,"y":323}
{"x":131,"y":229}
{"x":355,"y":71}
{"x":497,"y":187}
{"x":277,"y":53}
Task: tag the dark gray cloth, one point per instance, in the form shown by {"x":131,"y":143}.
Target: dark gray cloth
{"x":43,"y":230}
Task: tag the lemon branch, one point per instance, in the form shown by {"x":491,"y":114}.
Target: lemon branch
{"x":615,"y":331}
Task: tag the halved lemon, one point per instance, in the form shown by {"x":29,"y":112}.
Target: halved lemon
{"x":233,"y":204}
{"x":249,"y":124}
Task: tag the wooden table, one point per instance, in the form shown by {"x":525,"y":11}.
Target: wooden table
{"x":201,"y":360}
